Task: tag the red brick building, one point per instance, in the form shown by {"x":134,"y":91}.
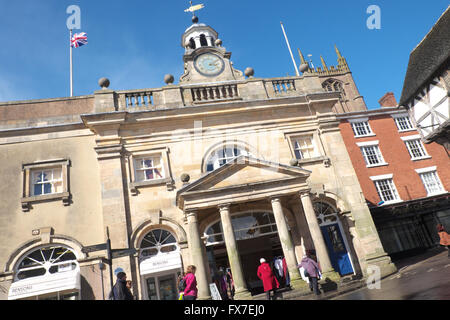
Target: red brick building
{"x":405,"y":182}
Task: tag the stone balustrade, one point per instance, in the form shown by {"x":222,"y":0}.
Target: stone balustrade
{"x":136,"y":100}
{"x":283,"y":86}
{"x":214,"y":93}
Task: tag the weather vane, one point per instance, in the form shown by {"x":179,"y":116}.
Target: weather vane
{"x":194,"y":8}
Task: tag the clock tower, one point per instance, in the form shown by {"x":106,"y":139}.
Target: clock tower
{"x":205,"y":60}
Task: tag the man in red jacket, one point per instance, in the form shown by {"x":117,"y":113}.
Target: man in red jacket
{"x":269,"y":280}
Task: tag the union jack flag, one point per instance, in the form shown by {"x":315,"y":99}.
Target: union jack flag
{"x":78,"y":40}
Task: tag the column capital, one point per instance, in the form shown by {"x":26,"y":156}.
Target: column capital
{"x":305,"y":193}
{"x":191,"y":212}
{"x":224,"y":206}
{"x":275,"y":199}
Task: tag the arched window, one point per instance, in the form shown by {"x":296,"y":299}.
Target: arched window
{"x":247,"y":225}
{"x":203,"y":41}
{"x":333,"y":85}
{"x":325,"y":212}
{"x":158,"y":241}
{"x":192,"y":43}
{"x":222,"y":155}
{"x":45,"y":261}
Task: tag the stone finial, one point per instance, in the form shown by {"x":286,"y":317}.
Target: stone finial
{"x":249,"y":72}
{"x":293,"y":162}
{"x":168,"y":78}
{"x":104,"y":83}
{"x":303,"y":67}
{"x":185,"y":178}
{"x":218,"y":42}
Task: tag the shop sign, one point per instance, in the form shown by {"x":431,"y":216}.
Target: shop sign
{"x":160,"y":262}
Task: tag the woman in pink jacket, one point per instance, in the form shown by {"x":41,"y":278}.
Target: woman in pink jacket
{"x":190,"y":292}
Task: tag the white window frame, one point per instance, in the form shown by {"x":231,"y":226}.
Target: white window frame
{"x":386,"y":177}
{"x":313,"y":154}
{"x":28,"y":171}
{"x":410,"y":139}
{"x":316,"y":141}
{"x":364,"y":145}
{"x":156,"y":170}
{"x":135,"y":154}
{"x":423,"y":171}
{"x":368,"y":128}
{"x":398,"y":118}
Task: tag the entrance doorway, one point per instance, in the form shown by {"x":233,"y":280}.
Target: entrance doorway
{"x":159,"y":265}
{"x":332,"y":232}
{"x":256,"y":236}
{"x":162,"y":287}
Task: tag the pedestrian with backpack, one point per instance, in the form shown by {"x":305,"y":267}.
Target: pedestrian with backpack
{"x":181,"y":286}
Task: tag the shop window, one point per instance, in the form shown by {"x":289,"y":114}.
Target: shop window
{"x":45,"y":261}
{"x":158,"y":241}
{"x":45,"y":181}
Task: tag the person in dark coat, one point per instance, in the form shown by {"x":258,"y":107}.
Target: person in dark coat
{"x":312,"y":272}
{"x":269,"y":280}
{"x":120,"y":290}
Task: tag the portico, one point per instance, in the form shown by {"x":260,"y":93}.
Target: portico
{"x":249,"y":180}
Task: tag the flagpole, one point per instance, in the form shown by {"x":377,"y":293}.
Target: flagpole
{"x":71,"y":66}
{"x":290,"y":51}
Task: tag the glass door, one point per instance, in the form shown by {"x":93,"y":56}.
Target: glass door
{"x":162,"y":287}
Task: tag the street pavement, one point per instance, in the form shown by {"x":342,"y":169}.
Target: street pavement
{"x":427,"y":279}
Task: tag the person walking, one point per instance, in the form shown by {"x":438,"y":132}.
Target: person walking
{"x":190,"y":292}
{"x":312,"y":272}
{"x":269,"y":280}
{"x":445,"y":237}
{"x":120,"y":291}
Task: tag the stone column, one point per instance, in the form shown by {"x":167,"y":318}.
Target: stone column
{"x":197,"y":257}
{"x":317,"y":237}
{"x":287,"y":245}
{"x":233,"y":254}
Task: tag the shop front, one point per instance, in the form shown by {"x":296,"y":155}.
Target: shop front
{"x":159,"y":265}
{"x":47,"y":273}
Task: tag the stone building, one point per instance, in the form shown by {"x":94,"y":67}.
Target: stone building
{"x":218,"y":170}
{"x":405,"y":182}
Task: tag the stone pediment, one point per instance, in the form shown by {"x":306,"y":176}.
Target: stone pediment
{"x":244,"y":176}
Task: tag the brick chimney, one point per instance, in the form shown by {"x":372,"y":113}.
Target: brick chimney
{"x":388,"y":101}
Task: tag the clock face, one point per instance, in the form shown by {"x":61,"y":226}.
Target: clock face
{"x":209,"y":64}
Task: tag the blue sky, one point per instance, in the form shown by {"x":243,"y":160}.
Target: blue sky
{"x":135,"y":43}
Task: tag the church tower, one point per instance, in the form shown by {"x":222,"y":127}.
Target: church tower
{"x":337,"y":78}
{"x":205,"y":59}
